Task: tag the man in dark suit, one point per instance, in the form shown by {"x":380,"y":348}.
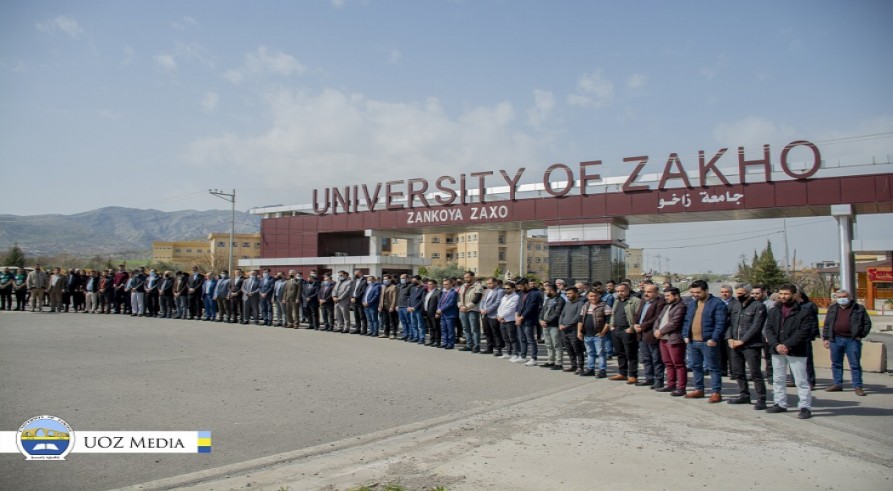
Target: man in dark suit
{"x":326,"y":303}
{"x":649,"y":346}
{"x":166,"y":295}
{"x":69,"y":291}
{"x":235,"y":296}
{"x":310,"y":302}
{"x":432,"y":299}
{"x":268,"y":282}
{"x":357,"y":291}
{"x":194,"y":291}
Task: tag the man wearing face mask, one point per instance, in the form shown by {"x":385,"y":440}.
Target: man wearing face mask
{"x":152,"y":293}
{"x":310,"y":302}
{"x":747,"y":315}
{"x":235,"y":295}
{"x":341,"y":298}
{"x":194,"y":290}
{"x":415,"y":308}
{"x":266,"y":297}
{"x":357,"y":291}
{"x":387,"y":308}
{"x":221,"y":297}
{"x":846,"y":325}
{"x":251,"y":294}
{"x":404,"y":289}
{"x":278,"y":296}
{"x":326,"y":303}
{"x":166,"y":295}
{"x":291,"y":300}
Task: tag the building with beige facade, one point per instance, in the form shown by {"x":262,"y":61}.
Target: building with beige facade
{"x":635,"y":263}
{"x":485,"y":252}
{"x":210,"y":254}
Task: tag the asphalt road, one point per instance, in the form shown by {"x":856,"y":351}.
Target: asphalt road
{"x":260,"y":390}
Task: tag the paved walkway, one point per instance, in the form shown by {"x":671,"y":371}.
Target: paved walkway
{"x":311,"y":410}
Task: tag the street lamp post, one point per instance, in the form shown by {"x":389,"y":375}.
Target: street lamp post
{"x":231,"y":197}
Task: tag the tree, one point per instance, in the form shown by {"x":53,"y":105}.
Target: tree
{"x":15,"y":257}
{"x":745,"y":270}
{"x":451,"y":270}
{"x":766,"y":270}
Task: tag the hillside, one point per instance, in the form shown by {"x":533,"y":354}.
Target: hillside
{"x":114,"y":230}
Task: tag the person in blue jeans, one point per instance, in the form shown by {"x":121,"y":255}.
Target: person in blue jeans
{"x":704,"y":330}
{"x":416,"y":308}
{"x":448,"y":313}
{"x":591,"y":329}
{"x":526,"y":318}
{"x":371,"y":299}
{"x":846,"y":324}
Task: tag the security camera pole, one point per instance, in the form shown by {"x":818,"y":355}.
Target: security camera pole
{"x":231,"y":197}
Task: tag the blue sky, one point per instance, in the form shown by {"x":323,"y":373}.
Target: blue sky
{"x":149,"y":104}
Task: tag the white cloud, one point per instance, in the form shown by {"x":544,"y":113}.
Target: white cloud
{"x":129,"y":54}
{"x":166,"y":61}
{"x":62,"y":24}
{"x":394,"y":56}
{"x":337,"y":3}
{"x":752,"y":132}
{"x":265,"y":62}
{"x":210,"y":100}
{"x":347,"y":138}
{"x":109,"y":114}
{"x":636,"y":81}
{"x":543,"y":105}
{"x":194,"y":51}
{"x":711,"y":71}
{"x":593,"y":90}
{"x":183,"y":24}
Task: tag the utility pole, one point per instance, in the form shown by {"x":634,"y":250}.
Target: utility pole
{"x":231,"y":197}
{"x":787,"y":265}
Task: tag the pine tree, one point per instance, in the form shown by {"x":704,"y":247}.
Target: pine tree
{"x":15,"y":257}
{"x":766,"y":270}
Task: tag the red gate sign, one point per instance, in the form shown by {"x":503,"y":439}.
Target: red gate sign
{"x":880,"y":274}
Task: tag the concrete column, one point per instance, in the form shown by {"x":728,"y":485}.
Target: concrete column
{"x":845,"y":218}
{"x":374,"y":244}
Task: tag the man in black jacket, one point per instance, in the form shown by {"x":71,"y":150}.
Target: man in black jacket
{"x":357,"y":291}
{"x":745,"y":339}
{"x":432,"y":299}
{"x":194,"y":284}
{"x":789,"y":328}
{"x":846,"y":324}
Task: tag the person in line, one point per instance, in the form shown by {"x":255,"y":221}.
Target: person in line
{"x":448,"y":313}
{"x":505,"y":315}
{"x":568,"y":331}
{"x":550,"y":314}
{"x":747,"y":316}
{"x":846,"y":325}
{"x":489,"y":312}
{"x":668,"y":331}
{"x":626,"y":341}
{"x":789,"y":328}
{"x":649,"y":346}
{"x":704,"y":330}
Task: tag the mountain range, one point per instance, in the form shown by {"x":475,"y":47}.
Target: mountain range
{"x":114,"y":230}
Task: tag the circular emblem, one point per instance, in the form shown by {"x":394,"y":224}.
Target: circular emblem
{"x":45,"y":438}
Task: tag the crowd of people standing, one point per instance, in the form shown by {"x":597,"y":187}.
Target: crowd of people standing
{"x":742,"y":332}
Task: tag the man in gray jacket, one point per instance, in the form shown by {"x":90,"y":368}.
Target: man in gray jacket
{"x":489,"y":311}
{"x":341,"y":297}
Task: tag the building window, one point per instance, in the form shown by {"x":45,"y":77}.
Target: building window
{"x":461,"y":238}
{"x":188,"y":250}
{"x":246,"y":244}
{"x":435,"y":255}
{"x":178,"y":251}
{"x":501,"y":255}
{"x":449,"y":256}
{"x":529,"y":246}
{"x":539,"y":247}
{"x":502,"y":239}
{"x":435,"y":240}
{"x":461,"y":255}
{"x":235,"y":245}
{"x":221,"y":244}
{"x":475,"y":253}
{"x":538,"y":260}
